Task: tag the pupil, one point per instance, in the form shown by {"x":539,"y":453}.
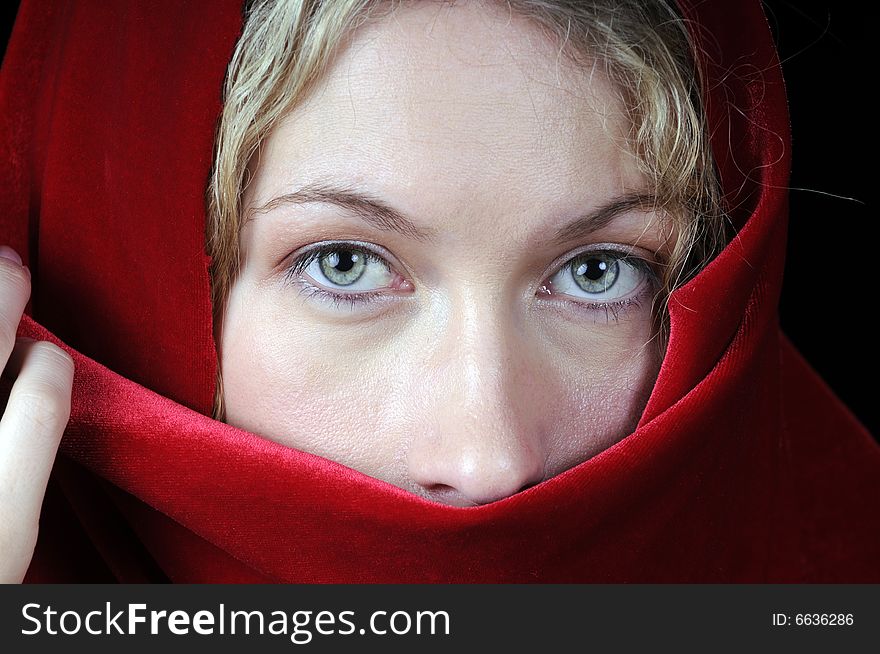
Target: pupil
{"x":592,"y":269}
{"x":343,"y":260}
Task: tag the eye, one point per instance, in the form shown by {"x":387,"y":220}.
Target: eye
{"x":345,"y":267}
{"x":600,"y":275}
{"x":353,"y":274}
{"x":358,"y":271}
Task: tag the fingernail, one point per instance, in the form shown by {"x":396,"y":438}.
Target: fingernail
{"x":8,"y":253}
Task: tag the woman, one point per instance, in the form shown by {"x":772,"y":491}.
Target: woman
{"x":728,"y":473}
{"x":513,"y":333}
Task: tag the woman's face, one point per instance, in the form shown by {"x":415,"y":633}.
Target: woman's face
{"x":432,"y":290}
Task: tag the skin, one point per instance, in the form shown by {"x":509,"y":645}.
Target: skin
{"x":469,"y":381}
{"x":35,"y":397}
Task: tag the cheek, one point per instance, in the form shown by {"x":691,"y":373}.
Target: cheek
{"x":291,"y":382}
{"x":607,"y":375}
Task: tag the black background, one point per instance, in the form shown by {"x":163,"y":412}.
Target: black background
{"x":829,"y":293}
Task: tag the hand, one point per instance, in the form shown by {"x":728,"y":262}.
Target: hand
{"x":35,"y":402}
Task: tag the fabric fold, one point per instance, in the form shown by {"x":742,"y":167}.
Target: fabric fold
{"x":744,"y":466}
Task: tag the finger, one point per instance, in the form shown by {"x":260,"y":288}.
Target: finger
{"x":15,"y":289}
{"x":30,"y":431}
{"x":7,"y":378}
{"x":13,"y":368}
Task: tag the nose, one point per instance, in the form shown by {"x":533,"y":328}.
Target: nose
{"x":472,"y":467}
{"x":478,"y":438}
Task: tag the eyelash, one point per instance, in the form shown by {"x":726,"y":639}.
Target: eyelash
{"x":292,"y":276}
{"x":293,"y":273}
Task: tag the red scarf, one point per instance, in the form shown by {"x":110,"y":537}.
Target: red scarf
{"x":744,"y":467}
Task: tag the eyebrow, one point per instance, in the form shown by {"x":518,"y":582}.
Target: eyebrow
{"x":384,"y":217}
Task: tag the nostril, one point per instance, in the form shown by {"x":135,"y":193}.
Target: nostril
{"x":445,"y":494}
{"x":480,"y":472}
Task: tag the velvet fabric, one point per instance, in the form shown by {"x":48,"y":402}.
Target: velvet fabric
{"x":744,"y":467}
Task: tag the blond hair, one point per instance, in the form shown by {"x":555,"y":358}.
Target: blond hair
{"x":644,"y":46}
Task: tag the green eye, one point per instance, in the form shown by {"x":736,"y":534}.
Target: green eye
{"x":595,"y":272}
{"x":600,"y":276}
{"x":343,"y":266}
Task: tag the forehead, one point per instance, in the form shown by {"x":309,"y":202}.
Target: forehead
{"x":463,"y":99}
